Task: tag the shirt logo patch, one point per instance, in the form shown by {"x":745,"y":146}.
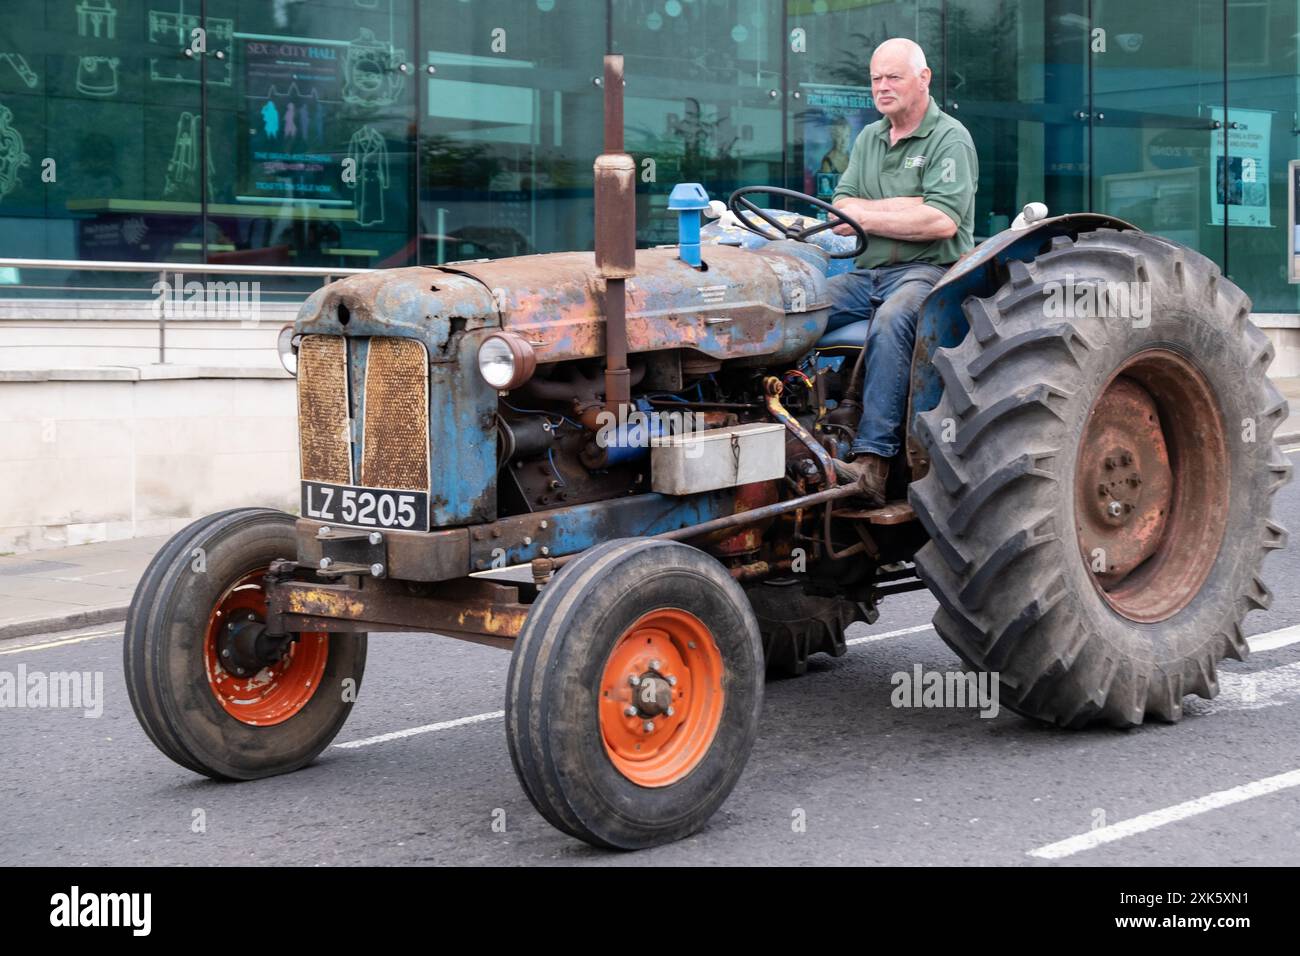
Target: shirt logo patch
{"x":913,"y":162}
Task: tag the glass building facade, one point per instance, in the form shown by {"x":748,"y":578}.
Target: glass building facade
{"x":379,"y":133}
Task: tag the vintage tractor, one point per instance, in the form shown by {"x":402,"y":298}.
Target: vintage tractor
{"x":619,"y":466}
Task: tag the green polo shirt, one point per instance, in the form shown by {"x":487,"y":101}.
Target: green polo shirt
{"x":937,"y":162}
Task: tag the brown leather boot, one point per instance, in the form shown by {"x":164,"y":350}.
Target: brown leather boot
{"x":869,"y":472}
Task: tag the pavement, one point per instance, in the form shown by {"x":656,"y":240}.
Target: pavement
{"x":60,"y":588}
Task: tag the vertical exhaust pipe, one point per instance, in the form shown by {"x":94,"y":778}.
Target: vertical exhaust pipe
{"x":615,"y":195}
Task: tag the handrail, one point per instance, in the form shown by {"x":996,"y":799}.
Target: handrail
{"x":112,"y":265}
{"x":163,"y":269}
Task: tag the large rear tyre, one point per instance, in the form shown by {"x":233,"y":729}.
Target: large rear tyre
{"x":1102,"y":468}
{"x":209,"y":689}
{"x":634,"y":693}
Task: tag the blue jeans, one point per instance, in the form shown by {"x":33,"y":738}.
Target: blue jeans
{"x":891,"y":298}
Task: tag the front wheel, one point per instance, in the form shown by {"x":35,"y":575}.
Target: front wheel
{"x":208,"y":686}
{"x":634,"y":693}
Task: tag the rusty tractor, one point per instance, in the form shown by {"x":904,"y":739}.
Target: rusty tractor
{"x":618,"y":466}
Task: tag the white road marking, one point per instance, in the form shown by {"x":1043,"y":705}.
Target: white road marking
{"x":899,"y":633}
{"x":1266,"y":688}
{"x":96,"y":574}
{"x":1158,"y":818}
{"x":426,"y":729}
{"x":67,"y":640}
{"x":1287,"y":451}
{"x":1274,"y":639}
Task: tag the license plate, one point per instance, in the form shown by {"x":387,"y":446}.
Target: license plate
{"x":366,"y":507}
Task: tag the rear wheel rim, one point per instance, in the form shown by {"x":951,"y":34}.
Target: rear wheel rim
{"x":1151,"y":486}
{"x":276,"y":692}
{"x":661,"y":697}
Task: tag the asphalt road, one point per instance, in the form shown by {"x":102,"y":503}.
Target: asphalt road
{"x":871,"y":783}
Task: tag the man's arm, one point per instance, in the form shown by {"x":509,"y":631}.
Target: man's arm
{"x":905,"y":217}
{"x":853,"y":207}
{"x":947,"y":185}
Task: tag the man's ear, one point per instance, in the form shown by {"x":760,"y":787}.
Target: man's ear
{"x":925,"y":75}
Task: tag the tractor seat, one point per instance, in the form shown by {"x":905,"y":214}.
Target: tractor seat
{"x":852,"y":335}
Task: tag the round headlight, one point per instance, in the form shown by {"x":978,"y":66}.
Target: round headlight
{"x":506,"y":361}
{"x":286,"y":344}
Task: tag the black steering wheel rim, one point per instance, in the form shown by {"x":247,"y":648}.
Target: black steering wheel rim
{"x":739,"y":206}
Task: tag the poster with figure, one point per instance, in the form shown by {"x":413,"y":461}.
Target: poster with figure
{"x":1241,"y":171}
{"x":369,"y":155}
{"x":831,"y":118}
{"x":291,"y":88}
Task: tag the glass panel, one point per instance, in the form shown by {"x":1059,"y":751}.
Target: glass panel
{"x":1017,"y":78}
{"x":313,"y":119}
{"x":510,"y":126}
{"x":704,"y":99}
{"x":97,"y":152}
{"x":830,"y":82}
{"x":1158,"y":75}
{"x":1262,"y":83}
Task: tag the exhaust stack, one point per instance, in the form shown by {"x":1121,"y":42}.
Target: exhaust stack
{"x":615,"y":195}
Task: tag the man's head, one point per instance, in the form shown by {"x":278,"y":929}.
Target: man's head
{"x":900,"y":79}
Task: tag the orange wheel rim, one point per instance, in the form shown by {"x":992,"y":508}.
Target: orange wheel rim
{"x":661,"y":697}
{"x":276,"y":692}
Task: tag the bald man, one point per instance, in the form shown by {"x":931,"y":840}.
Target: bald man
{"x":910,"y":184}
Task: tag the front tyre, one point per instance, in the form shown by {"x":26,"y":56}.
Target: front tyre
{"x":634,"y":693}
{"x":208,"y":687}
{"x":1102,"y":469}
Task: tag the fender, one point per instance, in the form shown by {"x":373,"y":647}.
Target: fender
{"x":981,"y":272}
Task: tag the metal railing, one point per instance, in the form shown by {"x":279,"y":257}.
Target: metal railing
{"x":163,"y":270}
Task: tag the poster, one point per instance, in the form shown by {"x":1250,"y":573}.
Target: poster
{"x":1240,"y":176}
{"x":292,"y":89}
{"x":830,"y":121}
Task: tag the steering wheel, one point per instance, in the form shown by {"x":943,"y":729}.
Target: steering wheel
{"x":739,"y":206}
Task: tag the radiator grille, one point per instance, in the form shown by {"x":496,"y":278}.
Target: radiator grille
{"x":395,"y":445}
{"x":324,"y":442}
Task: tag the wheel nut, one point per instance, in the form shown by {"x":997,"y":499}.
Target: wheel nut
{"x":629,"y":711}
{"x":226,"y":652}
{"x":376,"y":538}
{"x":654,"y":665}
{"x":671,"y":680}
{"x":634,"y":681}
{"x":668,"y":712}
{"x":1115,"y":509}
{"x":648,"y":726}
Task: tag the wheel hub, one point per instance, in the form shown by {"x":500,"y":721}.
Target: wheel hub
{"x":1125,"y":459}
{"x":258,"y":680}
{"x":661,"y":697}
{"x":653,"y":693}
{"x":1151,"y":485}
{"x":244,"y":647}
